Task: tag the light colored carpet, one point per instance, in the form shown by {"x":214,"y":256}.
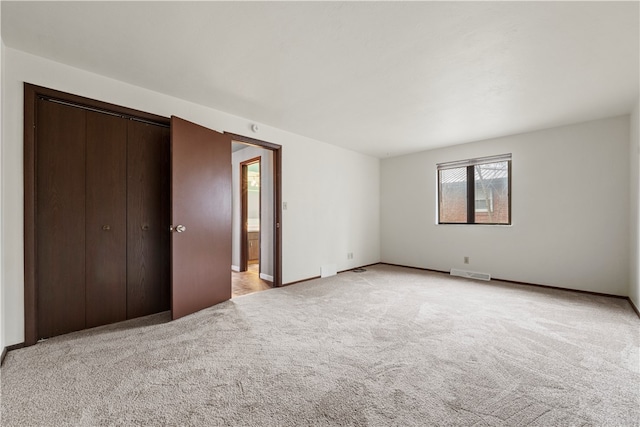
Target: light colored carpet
{"x":390,"y":346}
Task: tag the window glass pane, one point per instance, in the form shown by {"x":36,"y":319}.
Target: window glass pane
{"x":492,"y":193}
{"x":453,"y":195}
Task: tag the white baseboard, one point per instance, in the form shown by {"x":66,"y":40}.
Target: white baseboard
{"x":328,"y":270}
{"x":235,"y":268}
{"x":266,"y":277}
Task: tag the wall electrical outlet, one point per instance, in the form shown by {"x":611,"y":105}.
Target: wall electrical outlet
{"x":350,"y":255}
{"x":284,"y":206}
{"x":466,"y":260}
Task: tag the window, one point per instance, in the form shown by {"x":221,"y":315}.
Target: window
{"x":475,"y":191}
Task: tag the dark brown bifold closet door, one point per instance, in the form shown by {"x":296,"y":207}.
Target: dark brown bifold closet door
{"x":102,"y":217}
{"x":148,"y":268}
{"x":106,"y":221}
{"x":60,"y":218}
{"x":201,"y":217}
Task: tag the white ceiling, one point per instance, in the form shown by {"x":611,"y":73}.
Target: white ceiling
{"x":382,"y":78}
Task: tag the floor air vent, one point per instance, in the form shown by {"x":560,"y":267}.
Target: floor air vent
{"x":470,"y":274}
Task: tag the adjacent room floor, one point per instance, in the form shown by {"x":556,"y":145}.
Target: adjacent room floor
{"x":248,"y":281}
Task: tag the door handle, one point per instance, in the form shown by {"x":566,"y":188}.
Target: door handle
{"x":178,"y":228}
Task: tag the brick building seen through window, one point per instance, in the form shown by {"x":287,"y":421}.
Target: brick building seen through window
{"x":483,"y":183}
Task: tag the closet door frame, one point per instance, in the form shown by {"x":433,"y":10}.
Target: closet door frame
{"x":31,"y":95}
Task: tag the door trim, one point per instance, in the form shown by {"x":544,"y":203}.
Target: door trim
{"x":31,"y":95}
{"x":244,"y":210}
{"x":277,"y":200}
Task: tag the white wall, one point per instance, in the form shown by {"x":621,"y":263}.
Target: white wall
{"x":332,"y":193}
{"x":2,"y":310}
{"x":634,"y":156}
{"x":266,"y":207}
{"x":570,"y":210}
{"x":340,"y":192}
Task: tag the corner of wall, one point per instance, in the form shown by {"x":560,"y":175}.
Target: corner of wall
{"x":634,"y":226}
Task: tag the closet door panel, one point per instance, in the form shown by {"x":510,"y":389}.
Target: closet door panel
{"x":148,"y":267}
{"x":60,"y":218}
{"x":106,"y":190}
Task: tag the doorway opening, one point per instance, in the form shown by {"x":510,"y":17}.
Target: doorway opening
{"x":248,"y":278}
{"x":250,"y":211}
{"x":255,"y":218}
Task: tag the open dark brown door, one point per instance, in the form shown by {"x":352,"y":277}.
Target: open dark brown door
{"x":200,"y":217}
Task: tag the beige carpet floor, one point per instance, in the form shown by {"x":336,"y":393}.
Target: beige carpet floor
{"x":387,"y":347}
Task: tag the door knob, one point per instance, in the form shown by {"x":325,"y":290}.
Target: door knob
{"x":178,"y":228}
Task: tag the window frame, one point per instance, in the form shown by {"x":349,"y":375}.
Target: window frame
{"x":470,"y":165}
